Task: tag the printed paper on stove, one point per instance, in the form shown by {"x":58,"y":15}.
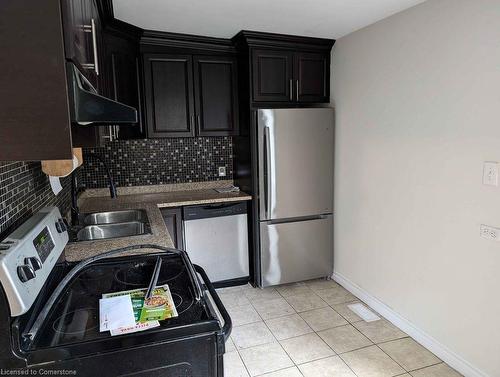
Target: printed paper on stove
{"x":147,"y":313}
{"x":115,"y":312}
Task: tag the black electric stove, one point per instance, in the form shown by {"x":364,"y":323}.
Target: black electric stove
{"x":68,"y":338}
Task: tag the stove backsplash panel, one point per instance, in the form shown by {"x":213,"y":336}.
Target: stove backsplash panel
{"x":159,"y":161}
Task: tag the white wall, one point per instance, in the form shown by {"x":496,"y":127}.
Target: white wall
{"x":417,"y":100}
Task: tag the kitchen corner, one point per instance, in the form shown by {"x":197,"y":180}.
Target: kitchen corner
{"x":151,"y":199}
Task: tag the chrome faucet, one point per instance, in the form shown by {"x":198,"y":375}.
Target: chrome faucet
{"x":75,"y":211}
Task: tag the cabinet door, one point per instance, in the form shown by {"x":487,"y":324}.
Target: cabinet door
{"x":122,"y":79}
{"x":312,"y":77}
{"x":126,"y":87}
{"x":94,"y":43}
{"x":75,"y":41}
{"x":216,"y":95}
{"x":173,"y":221}
{"x":34,"y":112}
{"x":169,"y":98}
{"x":272,"y":75}
{"x":81,"y":36}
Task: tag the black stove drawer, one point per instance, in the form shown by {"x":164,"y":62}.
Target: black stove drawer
{"x":187,"y":357}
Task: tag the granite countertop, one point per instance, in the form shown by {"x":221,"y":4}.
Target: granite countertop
{"x":151,"y":202}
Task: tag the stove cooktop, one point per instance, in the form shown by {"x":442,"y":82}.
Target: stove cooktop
{"x":75,"y":316}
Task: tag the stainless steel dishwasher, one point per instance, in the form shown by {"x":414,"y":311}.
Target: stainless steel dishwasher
{"x":216,"y":238}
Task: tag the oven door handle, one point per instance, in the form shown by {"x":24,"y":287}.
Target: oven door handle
{"x":228,"y":325}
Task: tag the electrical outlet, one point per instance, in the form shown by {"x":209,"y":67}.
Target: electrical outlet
{"x":222,"y":171}
{"x":489,"y":232}
{"x":490,"y":173}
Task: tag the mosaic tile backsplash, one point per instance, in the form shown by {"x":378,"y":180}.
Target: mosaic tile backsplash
{"x":159,"y":161}
{"x":24,"y":189}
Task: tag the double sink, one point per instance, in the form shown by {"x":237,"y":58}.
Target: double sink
{"x":112,"y":224}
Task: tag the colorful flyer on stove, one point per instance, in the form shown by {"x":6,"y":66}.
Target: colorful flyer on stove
{"x":159,"y":307}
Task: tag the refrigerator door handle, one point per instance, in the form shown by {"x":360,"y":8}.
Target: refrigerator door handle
{"x":298,"y":219}
{"x":267,"y":172}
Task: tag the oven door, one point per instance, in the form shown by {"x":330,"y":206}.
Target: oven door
{"x":189,"y":356}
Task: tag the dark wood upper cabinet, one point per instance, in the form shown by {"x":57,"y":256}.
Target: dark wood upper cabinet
{"x":122,"y":77}
{"x":272,"y":75}
{"x":168,"y":82}
{"x":34,"y":118}
{"x":312,"y":77}
{"x":283,"y":70}
{"x":216,"y":95}
{"x":190,"y":85}
{"x":82,"y":37}
{"x":118,"y":79}
{"x":290,"y":76}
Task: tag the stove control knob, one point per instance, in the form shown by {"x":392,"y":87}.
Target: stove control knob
{"x":33,"y":262}
{"x":63,"y":225}
{"x":25,"y":273}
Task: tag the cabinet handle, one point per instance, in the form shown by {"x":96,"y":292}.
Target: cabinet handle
{"x":88,"y":65}
{"x":291,"y":89}
{"x":198,"y":122}
{"x":297,"y":90}
{"x":139,"y":96}
{"x":109,"y":136}
{"x":94,"y":45}
{"x":191,"y":121}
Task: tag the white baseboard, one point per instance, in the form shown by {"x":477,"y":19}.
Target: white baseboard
{"x":440,"y":350}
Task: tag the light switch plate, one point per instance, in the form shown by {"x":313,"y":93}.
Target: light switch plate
{"x":222,"y":171}
{"x":490,"y":173}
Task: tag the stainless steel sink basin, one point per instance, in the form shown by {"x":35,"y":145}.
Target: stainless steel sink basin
{"x":106,"y":231}
{"x":112,"y":224}
{"x":113,"y":217}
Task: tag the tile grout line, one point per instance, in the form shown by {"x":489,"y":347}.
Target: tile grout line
{"x":345,"y":362}
{"x":428,"y":366}
{"x":278,"y":341}
{"x":236,"y":347}
{"x":293,"y":362}
{"x":237,"y":350}
{"x":406,"y":370}
{"x":351,"y":323}
{"x":375,"y":344}
{"x":390,"y":357}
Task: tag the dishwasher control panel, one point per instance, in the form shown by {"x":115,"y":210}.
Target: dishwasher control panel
{"x":214,"y":210}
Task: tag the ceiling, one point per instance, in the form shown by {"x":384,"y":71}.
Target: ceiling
{"x":224,"y":18}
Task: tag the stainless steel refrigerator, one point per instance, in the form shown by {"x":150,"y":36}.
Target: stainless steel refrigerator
{"x":295,"y":199}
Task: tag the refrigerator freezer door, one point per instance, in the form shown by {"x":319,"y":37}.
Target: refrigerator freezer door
{"x":295,"y":151}
{"x":296,"y":251}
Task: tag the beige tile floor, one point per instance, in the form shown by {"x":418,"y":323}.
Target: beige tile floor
{"x":306,"y":329}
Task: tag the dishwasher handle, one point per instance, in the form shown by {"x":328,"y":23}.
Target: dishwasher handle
{"x":217,"y":210}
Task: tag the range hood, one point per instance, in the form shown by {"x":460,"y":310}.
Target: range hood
{"x":88,"y":107}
